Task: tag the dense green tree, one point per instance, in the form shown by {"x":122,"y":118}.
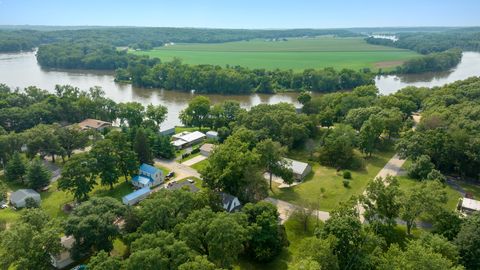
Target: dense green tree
{"x":157,"y":113}
{"x":356,"y":117}
{"x":198,"y":263}
{"x":42,"y":140}
{"x":421,"y":167}
{"x":127,"y":162}
{"x":163,"y":148}
{"x":319,"y":251}
{"x":197,"y":112}
{"x":78,"y":176}
{"x":107,"y":161}
{"x":38,"y":176}
{"x":272,"y":158}
{"x":131,"y":112}
{"x":369,"y":135}
{"x":337,"y":149}
{"x":93,"y":223}
{"x":71,"y":138}
{"x":446,"y":223}
{"x":15,"y":168}
{"x":304,"y":97}
{"x":468,"y":242}
{"x":142,"y":148}
{"x":102,"y":261}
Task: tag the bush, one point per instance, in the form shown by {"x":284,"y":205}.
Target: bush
{"x":421,"y":167}
{"x":195,"y":150}
{"x":347,"y":175}
{"x":346,"y":183}
{"x":31,"y":203}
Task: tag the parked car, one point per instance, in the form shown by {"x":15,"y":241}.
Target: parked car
{"x":191,"y":181}
{"x":170,"y":175}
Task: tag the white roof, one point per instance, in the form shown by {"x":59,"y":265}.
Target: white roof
{"x":190,"y":137}
{"x":212,"y":133}
{"x":471,"y":204}
{"x":297,"y":167}
{"x":178,"y":143}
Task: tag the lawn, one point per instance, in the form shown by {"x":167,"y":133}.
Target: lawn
{"x":200,"y":165}
{"x":323,"y":188}
{"x":296,"y":54}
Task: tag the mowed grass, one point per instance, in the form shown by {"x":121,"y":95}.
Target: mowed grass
{"x":296,"y":54}
{"x":323,"y":188}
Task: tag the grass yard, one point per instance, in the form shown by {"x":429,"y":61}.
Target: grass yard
{"x":309,"y":193}
{"x":200,"y":165}
{"x":296,"y":54}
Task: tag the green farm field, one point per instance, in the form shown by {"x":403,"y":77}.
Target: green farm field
{"x":296,"y":54}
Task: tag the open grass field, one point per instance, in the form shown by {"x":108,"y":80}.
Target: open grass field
{"x":323,"y":188}
{"x":296,"y":54}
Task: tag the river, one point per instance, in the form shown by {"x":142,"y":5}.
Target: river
{"x":21,"y":70}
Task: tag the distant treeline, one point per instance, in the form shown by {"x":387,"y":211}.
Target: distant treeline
{"x":432,"y":62}
{"x":148,"y":37}
{"x":467,"y":39}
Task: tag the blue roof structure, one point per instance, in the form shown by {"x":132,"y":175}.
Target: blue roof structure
{"x":142,"y":179}
{"x":148,"y":168}
{"x":137,"y":193}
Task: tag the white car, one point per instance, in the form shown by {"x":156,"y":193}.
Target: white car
{"x":3,"y":206}
{"x":191,"y":181}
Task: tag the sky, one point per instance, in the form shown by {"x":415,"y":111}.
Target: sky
{"x":242,"y":13}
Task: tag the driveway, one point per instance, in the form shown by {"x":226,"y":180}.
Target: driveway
{"x":285,"y":209}
{"x":181,"y":170}
{"x":194,"y":160}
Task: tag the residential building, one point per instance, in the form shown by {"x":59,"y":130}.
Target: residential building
{"x":230,"y":203}
{"x":182,"y":185}
{"x":185,"y":139}
{"x":148,"y":176}
{"x":63,"y":259}
{"x":19,"y":197}
{"x":300,"y":169}
{"x":167,"y":131}
{"x":206,"y":149}
{"x":468,"y":206}
{"x":136,"y":196}
{"x":98,"y":125}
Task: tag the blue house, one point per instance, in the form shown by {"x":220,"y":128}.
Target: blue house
{"x":136,"y":196}
{"x":148,"y":176}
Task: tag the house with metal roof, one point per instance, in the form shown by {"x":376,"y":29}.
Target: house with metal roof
{"x":136,"y":196}
{"x":212,"y":135}
{"x":148,"y":176}
{"x":19,"y":197}
{"x":468,"y":206}
{"x":300,"y":169}
{"x":185,"y":139}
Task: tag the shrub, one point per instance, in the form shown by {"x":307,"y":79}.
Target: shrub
{"x":346,"y":183}
{"x":347,"y":175}
{"x":31,"y":203}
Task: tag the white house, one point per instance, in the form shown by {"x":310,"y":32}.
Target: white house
{"x":148,"y":176}
{"x":136,"y":196}
{"x":63,"y":259}
{"x":185,"y":139}
{"x":468,"y":206}
{"x":230,"y":203}
{"x":19,"y":197}
{"x":300,"y":169}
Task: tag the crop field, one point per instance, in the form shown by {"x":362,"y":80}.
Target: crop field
{"x":295,"y":54}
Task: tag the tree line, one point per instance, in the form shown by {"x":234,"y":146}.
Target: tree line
{"x":439,"y":61}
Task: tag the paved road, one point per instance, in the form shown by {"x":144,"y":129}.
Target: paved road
{"x":194,"y":160}
{"x":181,"y":170}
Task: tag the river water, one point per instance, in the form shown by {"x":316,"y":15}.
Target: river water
{"x":21,"y":70}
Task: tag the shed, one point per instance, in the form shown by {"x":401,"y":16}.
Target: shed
{"x":300,"y":169}
{"x":18,"y":197}
{"x":212,"y":135}
{"x":136,"y":196}
{"x":206,"y":149}
{"x":468,"y":206}
{"x":167,"y":131}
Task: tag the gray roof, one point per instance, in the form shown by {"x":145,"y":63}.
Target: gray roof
{"x":180,"y":185}
{"x":297,"y":167}
{"x":22,"y":194}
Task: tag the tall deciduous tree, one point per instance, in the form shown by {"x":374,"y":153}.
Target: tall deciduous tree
{"x":127,"y":161}
{"x":272,"y":158}
{"x":107,"y":162}
{"x":78,"y":176}
{"x":337,"y":149}
{"x":71,"y":138}
{"x":38,"y":175}
{"x":142,"y":147}
{"x":196,"y":114}
{"x":157,"y":113}
{"x":468,"y":242}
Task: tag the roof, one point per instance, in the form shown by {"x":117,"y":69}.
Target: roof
{"x":212,"y":133}
{"x":208,"y":147}
{"x":179,"y":185}
{"x":228,"y":202}
{"x":148,"y":168}
{"x":178,"y":143}
{"x":137,"y":193}
{"x":93,"y":123}
{"x":22,"y":194}
{"x":142,"y":179}
{"x":193,"y":136}
{"x":471,"y":204}
{"x":297,"y":167}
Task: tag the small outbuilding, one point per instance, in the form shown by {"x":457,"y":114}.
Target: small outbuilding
{"x":19,"y":197}
{"x":148,"y":176}
{"x":136,"y":196}
{"x":212,"y":135}
{"x":468,"y":206}
{"x":167,"y":131}
{"x":206,"y":149}
{"x":63,"y":259}
{"x":300,"y":169}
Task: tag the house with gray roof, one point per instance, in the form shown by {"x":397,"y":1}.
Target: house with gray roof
{"x":19,"y":197}
{"x":230,"y":203}
{"x":300,"y":169}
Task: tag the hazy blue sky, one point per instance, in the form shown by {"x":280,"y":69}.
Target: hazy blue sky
{"x":243,"y":13}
